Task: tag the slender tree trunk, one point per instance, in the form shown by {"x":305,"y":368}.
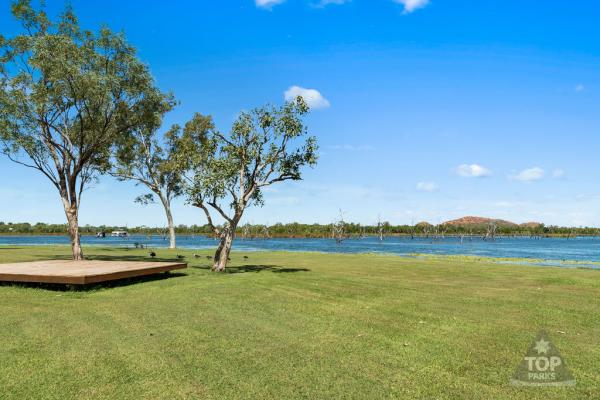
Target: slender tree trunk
{"x":172,"y":240}
{"x":72,"y":214}
{"x":172,"y":237}
{"x":223,"y":251}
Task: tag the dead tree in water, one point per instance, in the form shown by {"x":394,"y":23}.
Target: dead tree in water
{"x":361,"y":231}
{"x":380,"y":228}
{"x":436,"y":233}
{"x":246,"y":231}
{"x":265,"y":232}
{"x":491,"y":231}
{"x":426,"y":232}
{"x":338,"y":229}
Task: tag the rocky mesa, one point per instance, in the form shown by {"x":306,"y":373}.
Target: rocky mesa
{"x":478,"y":221}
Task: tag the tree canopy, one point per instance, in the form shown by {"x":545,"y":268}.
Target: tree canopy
{"x":147,"y":158}
{"x":265,"y":146}
{"x":66,"y":96}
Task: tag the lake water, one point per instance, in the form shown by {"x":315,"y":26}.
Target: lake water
{"x":584,"y":249}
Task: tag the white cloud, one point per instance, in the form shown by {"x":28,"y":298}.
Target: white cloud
{"x":312,"y":97}
{"x":427,"y":187}
{"x":472,"y":171}
{"x":268,"y":4}
{"x":324,"y":3}
{"x":579,"y":88}
{"x":412,"y":5}
{"x":558,"y":173}
{"x":409,"y":5}
{"x":529,"y":175}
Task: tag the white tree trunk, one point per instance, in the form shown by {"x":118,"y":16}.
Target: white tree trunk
{"x":72,"y":213}
{"x":172,"y":236}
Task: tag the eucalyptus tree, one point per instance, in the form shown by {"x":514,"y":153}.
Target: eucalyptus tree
{"x":66,"y":95}
{"x":228,"y":173}
{"x":144,"y":158}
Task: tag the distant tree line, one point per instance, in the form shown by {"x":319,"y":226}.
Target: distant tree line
{"x":298,"y":230}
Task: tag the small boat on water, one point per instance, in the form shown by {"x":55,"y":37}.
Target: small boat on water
{"x":120,"y":234}
{"x":101,"y":234}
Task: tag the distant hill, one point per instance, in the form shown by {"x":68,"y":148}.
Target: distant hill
{"x":478,"y":221}
{"x":531,"y":225}
{"x":424,"y":224}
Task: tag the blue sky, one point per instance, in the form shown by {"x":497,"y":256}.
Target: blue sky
{"x":427,"y":110}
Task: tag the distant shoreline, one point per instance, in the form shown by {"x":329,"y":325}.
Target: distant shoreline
{"x":276,"y":236}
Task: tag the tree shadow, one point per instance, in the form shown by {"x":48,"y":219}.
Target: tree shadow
{"x":60,"y":287}
{"x":256,"y":268}
{"x":104,"y":257}
{"x":121,"y":257}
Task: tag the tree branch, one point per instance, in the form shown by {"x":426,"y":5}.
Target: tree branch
{"x":214,"y":205}
{"x":201,"y":205}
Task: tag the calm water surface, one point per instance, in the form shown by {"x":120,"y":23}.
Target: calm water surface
{"x":576,"y":249}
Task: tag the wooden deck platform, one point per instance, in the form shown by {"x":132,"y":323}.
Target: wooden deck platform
{"x":81,"y":272}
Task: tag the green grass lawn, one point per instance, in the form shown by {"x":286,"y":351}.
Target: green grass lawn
{"x":297,"y":326}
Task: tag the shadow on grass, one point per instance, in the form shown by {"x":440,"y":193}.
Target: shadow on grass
{"x":57,"y":287}
{"x":132,"y":258}
{"x":121,"y":257}
{"x":256,"y":268}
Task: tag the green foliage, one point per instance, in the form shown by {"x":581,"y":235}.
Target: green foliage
{"x":145,"y":199}
{"x":189,"y":147}
{"x":67,"y":94}
{"x":265,"y":146}
{"x":146,"y":158}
